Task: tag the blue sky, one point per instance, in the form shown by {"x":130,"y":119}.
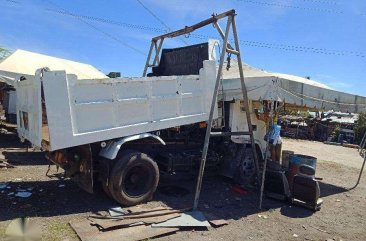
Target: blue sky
{"x":323,"y":39}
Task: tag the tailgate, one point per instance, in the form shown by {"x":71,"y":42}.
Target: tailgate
{"x":29,"y":110}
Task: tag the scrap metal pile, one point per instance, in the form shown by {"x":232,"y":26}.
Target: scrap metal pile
{"x":138,"y":223}
{"x":329,"y":126}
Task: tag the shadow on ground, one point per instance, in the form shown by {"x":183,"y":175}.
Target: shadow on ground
{"x":17,"y":153}
{"x":218,"y":200}
{"x":57,"y":196}
{"x":23,"y":158}
{"x":10,"y":140}
{"x":327,"y":189}
{"x":49,"y":198}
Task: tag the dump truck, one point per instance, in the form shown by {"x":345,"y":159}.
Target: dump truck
{"x":121,"y":131}
{"x":127,"y":132}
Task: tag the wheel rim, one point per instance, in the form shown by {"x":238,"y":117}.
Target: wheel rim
{"x":137,"y":181}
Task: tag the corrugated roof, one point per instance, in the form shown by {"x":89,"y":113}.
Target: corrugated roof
{"x":25,"y":62}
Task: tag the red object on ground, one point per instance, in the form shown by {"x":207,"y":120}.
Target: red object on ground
{"x":239,"y":190}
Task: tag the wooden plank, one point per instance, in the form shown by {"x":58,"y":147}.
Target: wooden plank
{"x":87,"y":232}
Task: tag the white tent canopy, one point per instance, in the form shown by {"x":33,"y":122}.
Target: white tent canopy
{"x":25,"y":63}
{"x":250,"y":71}
{"x":263,"y":85}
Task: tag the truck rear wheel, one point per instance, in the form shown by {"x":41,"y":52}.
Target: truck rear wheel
{"x":134,"y":178}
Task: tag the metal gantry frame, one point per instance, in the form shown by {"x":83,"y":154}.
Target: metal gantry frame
{"x":361,"y":148}
{"x":361,"y":171}
{"x":156,"y":46}
{"x":362,"y":152}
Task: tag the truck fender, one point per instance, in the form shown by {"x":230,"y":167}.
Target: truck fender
{"x":113,"y":147}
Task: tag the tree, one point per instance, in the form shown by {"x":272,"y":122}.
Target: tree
{"x":360,"y":127}
{"x":4,"y":53}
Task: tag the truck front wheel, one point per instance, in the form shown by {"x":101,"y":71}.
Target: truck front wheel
{"x":134,"y":178}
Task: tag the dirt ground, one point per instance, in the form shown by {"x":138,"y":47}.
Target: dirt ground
{"x":338,"y":154}
{"x":54,"y":201}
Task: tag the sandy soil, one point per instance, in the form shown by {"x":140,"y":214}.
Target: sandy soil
{"x":55,"y":202}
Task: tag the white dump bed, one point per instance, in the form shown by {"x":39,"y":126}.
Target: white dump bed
{"x":92,"y":110}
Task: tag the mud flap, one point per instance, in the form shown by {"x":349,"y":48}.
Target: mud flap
{"x":77,"y":163}
{"x":84,"y":176}
{"x":104,"y":169}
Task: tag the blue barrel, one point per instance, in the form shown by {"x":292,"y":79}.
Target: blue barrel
{"x":298,"y":159}
{"x":295,"y":161}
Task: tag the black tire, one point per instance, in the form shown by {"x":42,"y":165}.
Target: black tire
{"x":134,"y":178}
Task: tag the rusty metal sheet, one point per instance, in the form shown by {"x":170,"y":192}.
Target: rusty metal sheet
{"x":116,"y":211}
{"x":138,"y":213}
{"x":87,"y":232}
{"x":137,"y":210}
{"x":134,"y":215}
{"x":187,"y":219}
{"x":218,"y":222}
{"x":110,"y":223}
{"x":215,"y":221}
